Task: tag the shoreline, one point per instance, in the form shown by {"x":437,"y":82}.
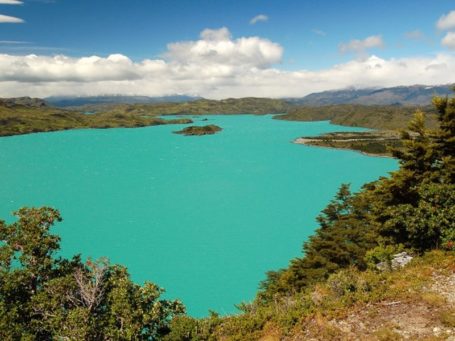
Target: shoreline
{"x":308,"y":142}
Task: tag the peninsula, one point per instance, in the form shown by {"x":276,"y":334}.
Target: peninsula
{"x":376,"y":143}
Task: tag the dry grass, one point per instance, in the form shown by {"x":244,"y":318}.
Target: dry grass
{"x":413,"y":303}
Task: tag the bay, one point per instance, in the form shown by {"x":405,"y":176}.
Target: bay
{"x":202,"y":216}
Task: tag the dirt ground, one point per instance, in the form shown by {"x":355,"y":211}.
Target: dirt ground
{"x":430,"y":317}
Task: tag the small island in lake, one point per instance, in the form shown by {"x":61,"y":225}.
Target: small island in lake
{"x":195,"y":130}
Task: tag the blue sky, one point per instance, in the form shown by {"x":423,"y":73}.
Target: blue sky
{"x":313,"y":35}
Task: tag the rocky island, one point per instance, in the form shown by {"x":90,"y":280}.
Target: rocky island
{"x":195,"y":130}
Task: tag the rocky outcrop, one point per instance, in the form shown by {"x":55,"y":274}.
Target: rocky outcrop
{"x":398,"y":261}
{"x":23,"y":101}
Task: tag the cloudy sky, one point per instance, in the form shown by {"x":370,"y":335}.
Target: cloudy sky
{"x":221,"y":48}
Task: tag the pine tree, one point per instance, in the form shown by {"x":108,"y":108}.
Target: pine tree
{"x":445,"y":139}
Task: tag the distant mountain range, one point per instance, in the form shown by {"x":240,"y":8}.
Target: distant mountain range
{"x":69,"y":101}
{"x":400,"y":95}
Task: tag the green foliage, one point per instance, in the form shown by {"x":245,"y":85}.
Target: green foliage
{"x":344,"y":236}
{"x":346,"y":283}
{"x":44,"y":297}
{"x":417,"y":157}
{"x":445,"y":138}
{"x":342,"y":294}
{"x":428,"y":223}
{"x":382,"y":254}
{"x":184,"y":328}
{"x":415,"y":208}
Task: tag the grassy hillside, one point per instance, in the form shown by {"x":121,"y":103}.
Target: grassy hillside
{"x":24,"y":119}
{"x":415,"y":303}
{"x":248,"y":105}
{"x":375,"y":116}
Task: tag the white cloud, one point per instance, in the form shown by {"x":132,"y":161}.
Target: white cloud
{"x":319,"y":32}
{"x":220,"y":34}
{"x":217,"y":47}
{"x":361,"y":46}
{"x":414,"y":35}
{"x":10,"y":20}
{"x":10,"y":2}
{"x":215,"y":66}
{"x":13,"y":42}
{"x":259,"y":18}
{"x":33,"y":68}
{"x":447,"y":21}
{"x":449,"y":40}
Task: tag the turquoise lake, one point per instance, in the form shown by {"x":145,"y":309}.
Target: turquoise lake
{"x":202,"y":216}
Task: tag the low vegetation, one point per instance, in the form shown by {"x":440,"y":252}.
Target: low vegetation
{"x":411,"y":303}
{"x":378,"y":142}
{"x":384,"y":117}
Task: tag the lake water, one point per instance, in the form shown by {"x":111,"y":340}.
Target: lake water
{"x":202,"y":216}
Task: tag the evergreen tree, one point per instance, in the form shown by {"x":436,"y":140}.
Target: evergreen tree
{"x":445,"y":142}
{"x":414,"y":207}
{"x":344,"y":236}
